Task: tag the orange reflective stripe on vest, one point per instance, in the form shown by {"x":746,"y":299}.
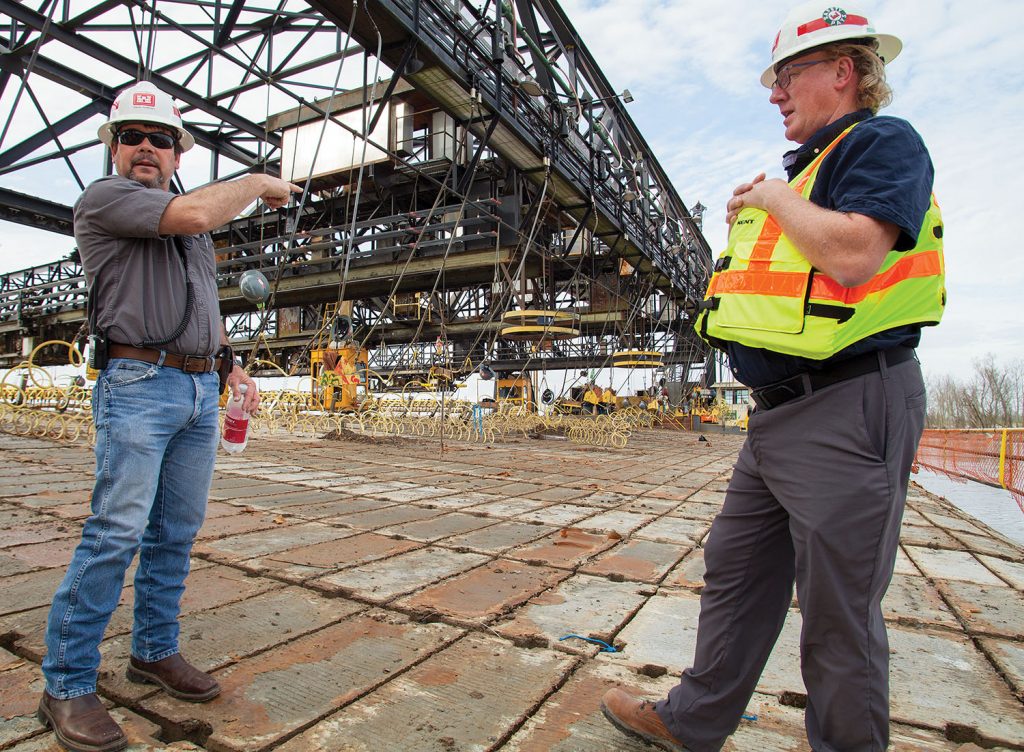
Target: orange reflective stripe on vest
{"x":925,"y":264}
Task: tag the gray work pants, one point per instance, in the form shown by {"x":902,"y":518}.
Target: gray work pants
{"x":816,"y":497}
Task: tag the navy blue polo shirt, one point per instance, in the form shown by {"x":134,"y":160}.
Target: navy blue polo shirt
{"x":882,"y":170}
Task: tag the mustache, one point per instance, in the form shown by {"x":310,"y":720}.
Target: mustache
{"x":139,"y":158}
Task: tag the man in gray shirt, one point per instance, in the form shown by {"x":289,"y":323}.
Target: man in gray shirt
{"x":150,"y":266}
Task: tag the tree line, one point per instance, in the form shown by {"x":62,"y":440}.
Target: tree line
{"x":992,"y":397}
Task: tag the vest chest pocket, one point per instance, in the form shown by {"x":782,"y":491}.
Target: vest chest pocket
{"x":768,"y":301}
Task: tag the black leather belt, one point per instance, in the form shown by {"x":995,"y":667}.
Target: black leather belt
{"x":186,"y":363}
{"x":783,"y":391}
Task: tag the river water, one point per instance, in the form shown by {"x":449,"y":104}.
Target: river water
{"x":993,"y":506}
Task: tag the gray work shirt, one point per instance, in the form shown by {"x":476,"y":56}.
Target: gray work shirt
{"x":138,"y":275}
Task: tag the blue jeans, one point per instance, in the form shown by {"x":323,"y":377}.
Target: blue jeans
{"x":156,"y":442}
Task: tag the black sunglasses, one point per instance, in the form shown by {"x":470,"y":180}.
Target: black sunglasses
{"x":132,"y":137}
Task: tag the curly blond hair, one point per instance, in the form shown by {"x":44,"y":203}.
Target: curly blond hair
{"x":872,"y":90}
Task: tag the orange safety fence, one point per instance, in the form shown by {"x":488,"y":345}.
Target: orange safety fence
{"x":994,"y":456}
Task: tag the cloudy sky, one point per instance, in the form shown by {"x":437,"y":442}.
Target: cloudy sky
{"x":693,"y":68}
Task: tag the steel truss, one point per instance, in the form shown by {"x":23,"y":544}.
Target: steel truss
{"x":545,"y":195}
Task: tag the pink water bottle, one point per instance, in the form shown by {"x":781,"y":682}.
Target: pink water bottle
{"x":236,"y":424}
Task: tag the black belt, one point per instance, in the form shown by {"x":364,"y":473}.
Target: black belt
{"x":186,"y":363}
{"x":809,"y":382}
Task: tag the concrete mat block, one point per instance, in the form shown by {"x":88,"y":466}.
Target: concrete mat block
{"x":651,"y":506}
{"x":12,"y":516}
{"x":271,"y":695}
{"x":246,"y":521}
{"x":559,"y":514}
{"x":467,"y":697}
{"x":646,"y":561}
{"x":279,"y":538}
{"x":37,"y":532}
{"x":1010,"y":571}
{"x":52,"y":553}
{"x":510,"y":488}
{"x":929,"y":537}
{"x":290,"y":500}
{"x":485,"y":592}
{"x":216,"y":638}
{"x":962,"y":686}
{"x":690,"y":571}
{"x":251,"y":494}
{"x":507,"y":508}
{"x":1009,"y":660}
{"x":697,"y":510}
{"x":662,"y":633}
{"x":338,"y":507}
{"x":443,"y":526}
{"x":603,"y":499}
{"x":21,"y":685}
{"x":301,"y":563}
{"x":85,"y":483}
{"x":622,"y":523}
{"x":383,"y":580}
{"x":500,"y":537}
{"x":10,"y":564}
{"x":30,"y":590}
{"x":375,"y":519}
{"x":991,"y":544}
{"x":454,"y":502}
{"x":584,"y":605}
{"x":951,"y":565}
{"x":904,"y":565}
{"x":949,"y":522}
{"x":558,"y":494}
{"x":913,"y":601}
{"x":568,"y":547}
{"x":49,"y":501}
{"x":987,"y":609}
{"x":215,"y":585}
{"x":674,"y":530}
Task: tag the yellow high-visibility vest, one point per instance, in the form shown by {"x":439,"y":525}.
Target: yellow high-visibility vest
{"x":765,"y":294}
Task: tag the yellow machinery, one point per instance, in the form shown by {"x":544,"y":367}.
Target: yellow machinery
{"x":516,"y":390}
{"x":337,"y":366}
{"x":337,"y":373}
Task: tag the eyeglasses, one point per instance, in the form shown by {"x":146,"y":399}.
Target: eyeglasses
{"x":785,"y":73}
{"x":132,"y":137}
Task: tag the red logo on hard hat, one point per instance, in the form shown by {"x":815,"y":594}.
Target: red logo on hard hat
{"x":143,"y":99}
{"x":834,"y":16}
{"x":775,"y":44}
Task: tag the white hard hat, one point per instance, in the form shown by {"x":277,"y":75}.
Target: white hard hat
{"x":144,"y":103}
{"x":818,"y":22}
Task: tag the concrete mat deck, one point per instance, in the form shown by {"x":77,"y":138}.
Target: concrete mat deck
{"x":435,"y":587}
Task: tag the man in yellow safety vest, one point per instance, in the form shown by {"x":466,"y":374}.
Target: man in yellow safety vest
{"x":819,"y":300}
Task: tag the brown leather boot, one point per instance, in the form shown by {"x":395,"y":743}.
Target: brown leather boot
{"x":81,"y":724}
{"x":178,"y":677}
{"x":638,"y":718}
